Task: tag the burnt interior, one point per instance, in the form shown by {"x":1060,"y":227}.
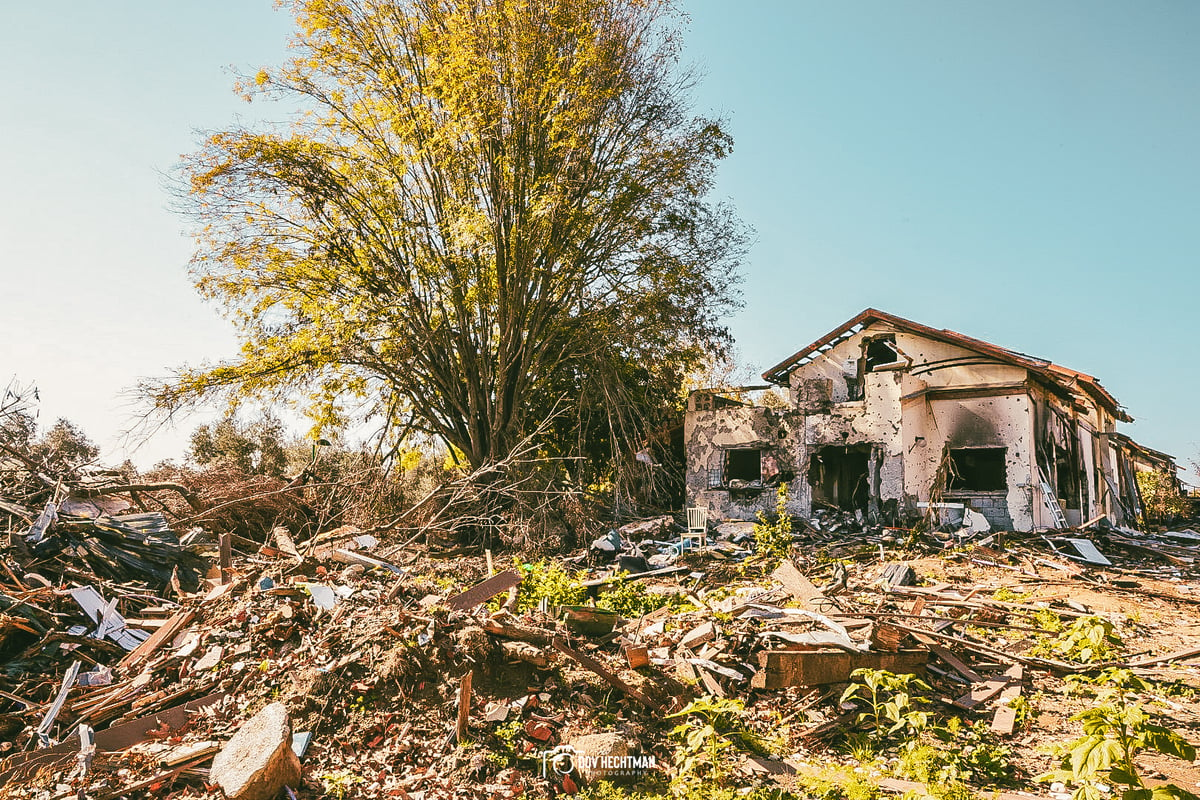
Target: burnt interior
{"x":839,"y":477}
{"x":743,"y":464}
{"x":978,"y":469}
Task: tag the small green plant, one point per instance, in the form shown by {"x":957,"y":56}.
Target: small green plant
{"x":710,"y":729}
{"x":1025,"y":710}
{"x":773,"y":539}
{"x":888,"y":703}
{"x":1048,"y":621}
{"x":1088,"y":640}
{"x":957,"y":752}
{"x":1007,"y":595}
{"x":1115,"y":730}
{"x":508,"y":734}
{"x":631,"y":599}
{"x":833,"y":781}
{"x":337,"y":783}
{"x":545,"y":580}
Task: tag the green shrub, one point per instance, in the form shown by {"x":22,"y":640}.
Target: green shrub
{"x":773,"y":538}
{"x":547,"y":580}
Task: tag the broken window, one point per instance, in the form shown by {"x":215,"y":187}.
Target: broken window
{"x":881,"y":351}
{"x":743,"y":465}
{"x":979,"y":469}
{"x":839,"y":477}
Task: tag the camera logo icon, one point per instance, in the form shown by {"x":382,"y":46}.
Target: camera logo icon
{"x":559,"y":761}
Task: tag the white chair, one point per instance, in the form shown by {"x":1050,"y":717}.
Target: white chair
{"x":697,"y":528}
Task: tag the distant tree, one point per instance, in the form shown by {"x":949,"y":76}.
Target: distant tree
{"x":492,"y":211}
{"x":1162,"y":496}
{"x":65,"y":447}
{"x":258,"y":447}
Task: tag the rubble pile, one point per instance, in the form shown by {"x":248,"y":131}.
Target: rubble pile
{"x":356,"y":664}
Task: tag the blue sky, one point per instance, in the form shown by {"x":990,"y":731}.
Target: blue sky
{"x":1022,"y":172}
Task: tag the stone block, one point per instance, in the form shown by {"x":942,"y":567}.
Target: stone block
{"x":258,"y":761}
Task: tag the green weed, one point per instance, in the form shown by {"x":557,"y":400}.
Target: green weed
{"x":1115,"y":731}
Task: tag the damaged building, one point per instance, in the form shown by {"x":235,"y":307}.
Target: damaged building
{"x":884,"y":415}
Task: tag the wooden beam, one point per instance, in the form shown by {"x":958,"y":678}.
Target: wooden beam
{"x":781,"y":668}
{"x":464,"y":706}
{"x":484,"y":591}
{"x":596,"y":667}
{"x":157,"y":639}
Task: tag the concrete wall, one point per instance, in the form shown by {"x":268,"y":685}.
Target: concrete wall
{"x":936,"y":396}
{"x":708,"y":432}
{"x":933,"y":423}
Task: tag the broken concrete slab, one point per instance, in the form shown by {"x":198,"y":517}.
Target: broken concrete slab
{"x":258,"y":761}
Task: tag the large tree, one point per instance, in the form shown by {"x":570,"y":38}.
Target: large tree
{"x":484,"y":211}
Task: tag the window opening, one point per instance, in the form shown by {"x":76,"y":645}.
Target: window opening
{"x":743,"y":465}
{"x":881,"y":351}
{"x":839,"y":478}
{"x":978,"y":469}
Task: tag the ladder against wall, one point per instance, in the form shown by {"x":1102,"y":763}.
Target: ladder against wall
{"x":1051,"y":500}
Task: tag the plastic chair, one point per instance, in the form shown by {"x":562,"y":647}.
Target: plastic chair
{"x":697,"y":528}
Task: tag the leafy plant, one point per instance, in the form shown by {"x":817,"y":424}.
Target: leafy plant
{"x":1087,"y":640}
{"x":1006,"y":595}
{"x":961,"y":752}
{"x":337,"y":783}
{"x":710,"y":729}
{"x":1115,"y":731}
{"x":889,"y":703}
{"x":547,"y":580}
{"x":631,"y":599}
{"x":773,"y":538}
{"x":1048,"y":621}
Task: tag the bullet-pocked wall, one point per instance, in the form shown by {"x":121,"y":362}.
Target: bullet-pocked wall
{"x":880,"y":414}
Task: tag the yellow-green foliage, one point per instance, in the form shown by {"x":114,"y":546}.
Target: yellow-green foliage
{"x":1161,"y":496}
{"x":631,"y":599}
{"x":1088,"y":640}
{"x":773,"y":538}
{"x":477,"y":195}
{"x":956,"y":753}
{"x":832,"y":781}
{"x":546,"y":579}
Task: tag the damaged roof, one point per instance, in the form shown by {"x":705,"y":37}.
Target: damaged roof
{"x":1068,"y":379}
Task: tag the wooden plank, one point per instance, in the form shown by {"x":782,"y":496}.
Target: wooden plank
{"x":780,"y":668}
{"x":801,"y":588}
{"x":980,"y":693}
{"x":654,"y":573}
{"x":464,"y":706}
{"x":711,"y":686}
{"x":164,"y":634}
{"x":351,"y":557}
{"x":705,"y":632}
{"x":1005,"y":718}
{"x":596,"y":667}
{"x":957,"y":664}
{"x":226,"y":556}
{"x":523,"y":633}
{"x":116,"y":738}
{"x":484,"y":591}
